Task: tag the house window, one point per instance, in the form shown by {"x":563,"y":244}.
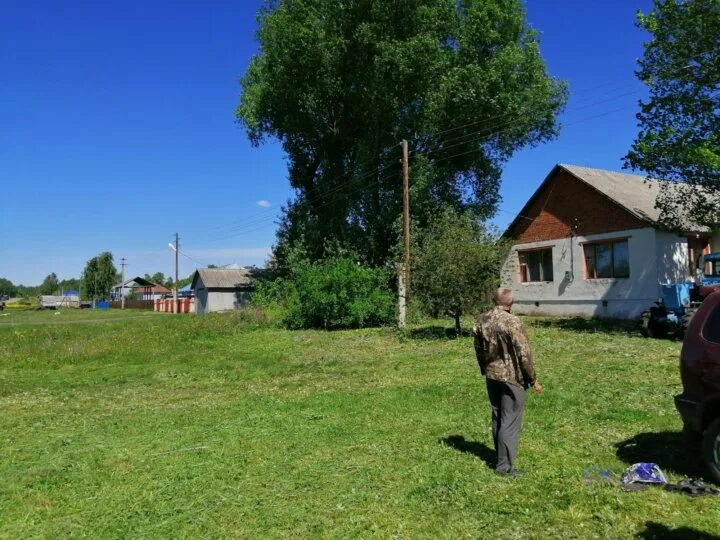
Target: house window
{"x":607,"y":259}
{"x":536,"y":265}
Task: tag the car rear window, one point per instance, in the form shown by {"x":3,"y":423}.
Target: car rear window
{"x":711,"y":331}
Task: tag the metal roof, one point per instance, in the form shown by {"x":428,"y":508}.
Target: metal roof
{"x":223,"y":278}
{"x":636,"y":194}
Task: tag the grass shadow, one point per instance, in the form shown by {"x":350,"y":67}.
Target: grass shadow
{"x":658,"y":531}
{"x":477,"y":449}
{"x":591,"y":326}
{"x":437,"y":333}
{"x":666,"y":448}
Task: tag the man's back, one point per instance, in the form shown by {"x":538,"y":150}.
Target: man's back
{"x":503,"y":349}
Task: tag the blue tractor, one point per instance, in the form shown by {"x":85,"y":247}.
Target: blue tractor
{"x":678,"y":302}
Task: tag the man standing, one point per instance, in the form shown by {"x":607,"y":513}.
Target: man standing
{"x":503,"y":353}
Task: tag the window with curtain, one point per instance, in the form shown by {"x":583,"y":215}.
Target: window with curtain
{"x":536,"y":265}
{"x":607,"y":259}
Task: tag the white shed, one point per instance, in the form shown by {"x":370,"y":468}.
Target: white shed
{"x":221,"y":289}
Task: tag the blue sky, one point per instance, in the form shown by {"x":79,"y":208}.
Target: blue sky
{"x":117,"y":128}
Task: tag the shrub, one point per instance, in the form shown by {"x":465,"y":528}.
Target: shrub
{"x":330,"y":294}
{"x":457,"y":266}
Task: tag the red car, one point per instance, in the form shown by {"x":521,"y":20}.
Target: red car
{"x":699,"y":404}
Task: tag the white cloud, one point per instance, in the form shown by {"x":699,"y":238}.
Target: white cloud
{"x":264,"y":204}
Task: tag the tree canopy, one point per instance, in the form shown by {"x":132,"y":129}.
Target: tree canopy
{"x":341,"y":83}
{"x":50,"y":284}
{"x":457,"y":265}
{"x":679,"y":137}
{"x":99,"y":276}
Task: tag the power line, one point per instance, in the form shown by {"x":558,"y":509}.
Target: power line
{"x":262,"y":223}
{"x":442,"y":145}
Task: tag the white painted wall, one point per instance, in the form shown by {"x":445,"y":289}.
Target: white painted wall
{"x":673,"y":258}
{"x":226,"y":300}
{"x":653,"y":256}
{"x":207,"y":301}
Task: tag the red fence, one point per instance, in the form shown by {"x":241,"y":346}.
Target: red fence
{"x":185,"y":305}
{"x":132,"y":304}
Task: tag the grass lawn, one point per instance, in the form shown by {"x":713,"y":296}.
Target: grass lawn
{"x":28,"y":315}
{"x":207,"y":427}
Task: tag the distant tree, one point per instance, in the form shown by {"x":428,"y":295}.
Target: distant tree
{"x":457,"y":265}
{"x":679,"y":137}
{"x":99,"y":276}
{"x":464,"y":80}
{"x":50,"y":284}
{"x":7,"y":287}
{"x":158,"y":277}
{"x":185,"y":281}
{"x":212,"y":266}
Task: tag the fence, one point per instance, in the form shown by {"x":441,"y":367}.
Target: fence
{"x":185,"y":305}
{"x":133,"y":304}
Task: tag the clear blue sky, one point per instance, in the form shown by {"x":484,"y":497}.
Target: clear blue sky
{"x":117,"y":128}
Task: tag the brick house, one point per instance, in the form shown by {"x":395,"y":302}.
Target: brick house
{"x":588,"y":243}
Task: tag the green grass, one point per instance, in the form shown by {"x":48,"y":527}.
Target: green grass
{"x":29,"y":315}
{"x":208,"y":427}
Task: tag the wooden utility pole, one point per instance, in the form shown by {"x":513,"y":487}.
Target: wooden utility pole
{"x":175,"y":288}
{"x":122,"y":282}
{"x":404,"y":273}
{"x":406,"y":211}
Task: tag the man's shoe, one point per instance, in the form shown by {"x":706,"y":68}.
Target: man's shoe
{"x":513,"y":473}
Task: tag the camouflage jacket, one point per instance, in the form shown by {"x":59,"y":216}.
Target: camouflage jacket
{"x":503,"y":348}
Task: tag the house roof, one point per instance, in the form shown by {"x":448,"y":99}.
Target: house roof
{"x":636,"y":194}
{"x":138,"y":280}
{"x":159,"y":289}
{"x":223,"y":278}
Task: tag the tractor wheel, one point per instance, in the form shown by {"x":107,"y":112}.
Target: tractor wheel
{"x":646,"y":326}
{"x":689,"y":314}
{"x":711,"y":449}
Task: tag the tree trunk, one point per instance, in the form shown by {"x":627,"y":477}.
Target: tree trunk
{"x":457,"y":323}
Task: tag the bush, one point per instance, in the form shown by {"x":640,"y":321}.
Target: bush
{"x":335,"y":293}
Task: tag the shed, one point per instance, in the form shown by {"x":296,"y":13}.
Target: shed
{"x":221,"y":289}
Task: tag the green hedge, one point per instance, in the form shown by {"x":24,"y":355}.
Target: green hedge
{"x":331,"y":294}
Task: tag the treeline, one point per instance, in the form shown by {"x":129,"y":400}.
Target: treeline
{"x":97,"y":280}
{"x":50,"y":285}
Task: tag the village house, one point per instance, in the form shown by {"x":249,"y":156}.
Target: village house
{"x":139,"y":289}
{"x":588,"y":243}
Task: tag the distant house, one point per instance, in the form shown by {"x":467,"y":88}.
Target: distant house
{"x":588,"y":243}
{"x":221,"y":289}
{"x":140,"y":288}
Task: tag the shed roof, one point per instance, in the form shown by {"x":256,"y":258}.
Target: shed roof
{"x":223,"y":278}
{"x":636,"y":194}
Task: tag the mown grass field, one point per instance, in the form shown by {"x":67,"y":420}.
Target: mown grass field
{"x":209,"y":427}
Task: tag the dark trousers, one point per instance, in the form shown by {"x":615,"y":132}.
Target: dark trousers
{"x":507,"y":402}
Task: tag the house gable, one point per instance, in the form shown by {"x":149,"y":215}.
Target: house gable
{"x":563,"y":206}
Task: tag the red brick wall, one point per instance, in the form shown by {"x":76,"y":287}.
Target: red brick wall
{"x":566,"y":201}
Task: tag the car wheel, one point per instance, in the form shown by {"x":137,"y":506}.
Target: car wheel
{"x":711,"y":449}
{"x":689,"y":313}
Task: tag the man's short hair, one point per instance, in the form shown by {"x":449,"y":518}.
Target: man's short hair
{"x":502,"y":297}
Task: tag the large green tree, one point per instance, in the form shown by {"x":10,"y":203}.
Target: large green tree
{"x":341,"y":83}
{"x":50,"y":284}
{"x":99,"y":276}
{"x":7,"y":287}
{"x":456,"y":265}
{"x":679,"y":137}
